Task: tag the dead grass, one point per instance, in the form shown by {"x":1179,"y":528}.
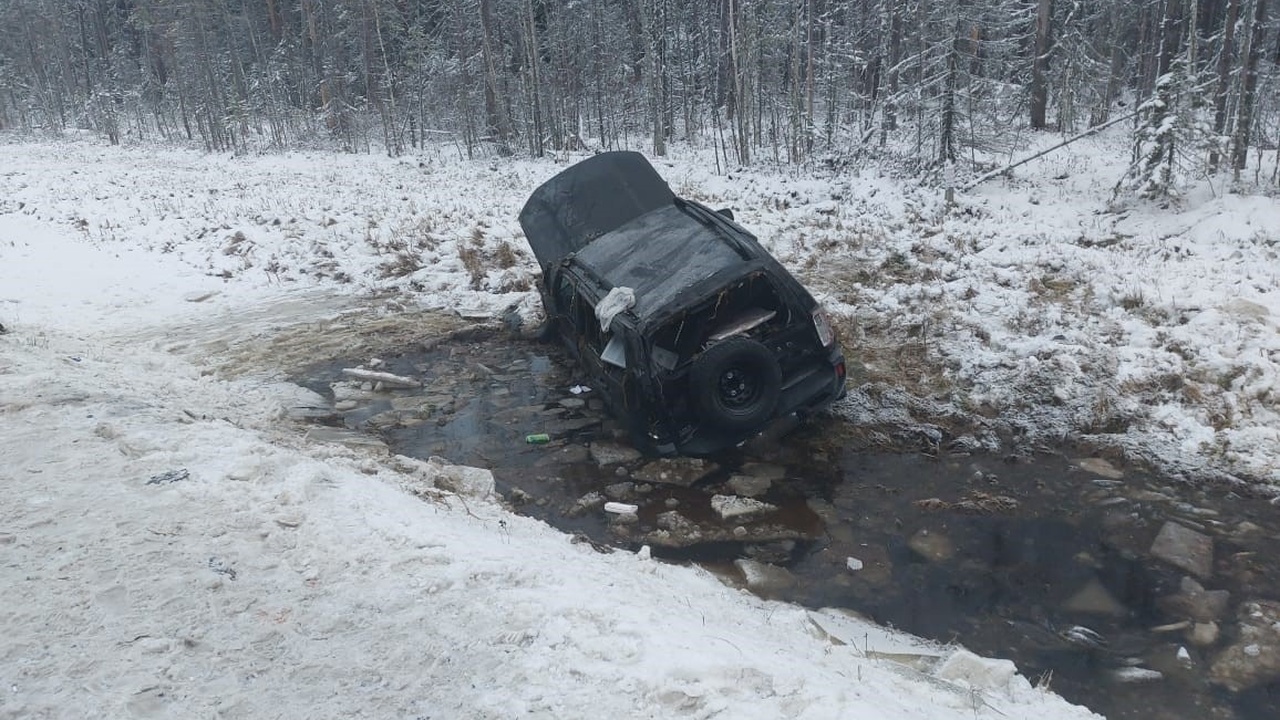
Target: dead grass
{"x":471,"y":253}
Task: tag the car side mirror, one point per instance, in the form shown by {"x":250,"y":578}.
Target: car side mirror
{"x":727,"y":212}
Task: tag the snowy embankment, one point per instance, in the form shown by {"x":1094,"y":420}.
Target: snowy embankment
{"x":172,"y":546}
{"x":1033,"y":310}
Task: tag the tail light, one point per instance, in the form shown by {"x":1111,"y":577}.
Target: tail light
{"x":822,"y":324}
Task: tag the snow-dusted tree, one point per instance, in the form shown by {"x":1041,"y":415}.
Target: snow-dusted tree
{"x":1040,"y":63}
{"x":1151,"y":173}
{"x":1249,"y":90}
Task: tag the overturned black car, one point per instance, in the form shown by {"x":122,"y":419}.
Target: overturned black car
{"x":695,"y":335}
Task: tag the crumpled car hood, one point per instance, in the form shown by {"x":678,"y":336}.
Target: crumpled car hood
{"x":594,"y":197}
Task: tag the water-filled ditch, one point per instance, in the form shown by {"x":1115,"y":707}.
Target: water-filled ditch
{"x":1047,"y":558}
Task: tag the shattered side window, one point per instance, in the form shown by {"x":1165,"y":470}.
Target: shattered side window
{"x":748,"y":307}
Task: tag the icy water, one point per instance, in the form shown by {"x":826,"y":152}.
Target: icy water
{"x":1033,"y":558}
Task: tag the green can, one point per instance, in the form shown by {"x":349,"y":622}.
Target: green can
{"x":537,"y":439}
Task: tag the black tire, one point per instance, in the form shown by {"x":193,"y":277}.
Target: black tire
{"x":735,"y":384}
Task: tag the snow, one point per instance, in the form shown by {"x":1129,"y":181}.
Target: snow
{"x":145,"y":291}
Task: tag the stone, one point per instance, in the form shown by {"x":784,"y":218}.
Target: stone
{"x":349,"y":438}
{"x":620,"y":491}
{"x":933,"y":547}
{"x":774,"y":553}
{"x":763,"y":471}
{"x":1098,"y":466}
{"x":560,"y":427}
{"x":460,"y":479}
{"x":1194,"y":602}
{"x":732,"y":508}
{"x":564,"y":455}
{"x":310,"y":413}
{"x":384,"y":420}
{"x":586,"y":504}
{"x":763,"y":578}
{"x":626,"y":518}
{"x":972,"y":671}
{"x":1184,"y":548}
{"x":678,"y":531}
{"x":749,"y":485}
{"x":1203,"y":634}
{"x":1253,"y":659}
{"x":682,"y":472}
{"x":412,"y":403}
{"x":1094,"y":599}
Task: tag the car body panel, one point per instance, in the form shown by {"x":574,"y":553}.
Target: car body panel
{"x":593,"y":197}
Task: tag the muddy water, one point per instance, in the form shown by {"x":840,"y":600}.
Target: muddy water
{"x":1031,"y":558}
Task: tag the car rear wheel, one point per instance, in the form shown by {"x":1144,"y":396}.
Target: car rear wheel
{"x":735,"y":384}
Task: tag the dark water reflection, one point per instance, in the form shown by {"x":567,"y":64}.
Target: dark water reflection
{"x":1005,"y":582}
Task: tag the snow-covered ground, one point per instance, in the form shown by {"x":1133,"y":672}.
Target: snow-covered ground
{"x":286,"y":578}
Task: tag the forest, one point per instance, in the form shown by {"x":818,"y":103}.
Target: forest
{"x":941,"y":89}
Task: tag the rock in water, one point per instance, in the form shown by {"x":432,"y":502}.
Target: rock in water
{"x":1184,"y":548}
{"x":674,"y":471}
{"x":764,"y":579}
{"x":740,"y":509}
{"x":933,"y":547}
{"x":1254,"y":659}
{"x":1093,"y":598}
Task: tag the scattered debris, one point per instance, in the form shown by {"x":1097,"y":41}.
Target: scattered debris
{"x":1253,"y":660}
{"x":169,"y":476}
{"x":580,"y":538}
{"x":976,"y":503}
{"x":217,"y":565}
{"x":682,"y":471}
{"x":198,"y":296}
{"x":385,"y":378}
{"x":1135,"y":674}
{"x":1083,"y":636}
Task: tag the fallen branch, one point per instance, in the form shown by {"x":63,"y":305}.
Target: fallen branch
{"x":995,"y":173}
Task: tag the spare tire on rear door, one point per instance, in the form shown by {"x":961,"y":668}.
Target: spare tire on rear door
{"x":735,"y":384}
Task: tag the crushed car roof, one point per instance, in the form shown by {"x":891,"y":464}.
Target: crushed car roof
{"x":662,"y":255}
{"x":589,"y":199}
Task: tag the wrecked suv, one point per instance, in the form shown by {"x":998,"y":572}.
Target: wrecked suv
{"x":695,"y":335}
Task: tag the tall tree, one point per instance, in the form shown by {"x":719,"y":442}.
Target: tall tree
{"x":1040,"y":63}
{"x":1249,"y":90}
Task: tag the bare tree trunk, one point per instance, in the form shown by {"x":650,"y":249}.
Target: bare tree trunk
{"x":1225,"y":54}
{"x":1249,"y":90}
{"x":655,"y":71}
{"x":1040,"y":64}
{"x":889,"y":122}
{"x":499,"y":125}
